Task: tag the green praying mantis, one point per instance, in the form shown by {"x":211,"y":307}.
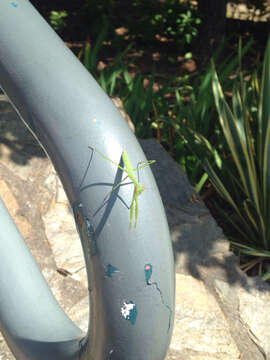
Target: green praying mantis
{"x":138,"y":188}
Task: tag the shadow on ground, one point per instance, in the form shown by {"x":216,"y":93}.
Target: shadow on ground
{"x":15,"y":136}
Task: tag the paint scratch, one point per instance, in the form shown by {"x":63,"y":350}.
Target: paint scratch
{"x":148,"y":269}
{"x":129,"y":311}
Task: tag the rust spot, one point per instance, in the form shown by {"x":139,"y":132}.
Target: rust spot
{"x":80,"y":220}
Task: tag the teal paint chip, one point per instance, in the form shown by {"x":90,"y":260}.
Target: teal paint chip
{"x":14,"y":4}
{"x":129,"y":311}
{"x":111,"y":270}
{"x":148,"y":272}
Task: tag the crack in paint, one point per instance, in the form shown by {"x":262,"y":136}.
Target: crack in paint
{"x":148,"y":269}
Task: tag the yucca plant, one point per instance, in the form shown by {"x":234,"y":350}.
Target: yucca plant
{"x":198,"y":114}
{"x":242,"y":175}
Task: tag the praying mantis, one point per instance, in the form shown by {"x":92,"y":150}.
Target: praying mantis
{"x":138,"y":188}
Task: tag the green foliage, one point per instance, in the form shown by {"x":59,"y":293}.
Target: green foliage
{"x":93,"y":15}
{"x":167,"y":109}
{"x":90,"y":53}
{"x":57,"y":19}
{"x":143,"y":104}
{"x":235,"y":152}
{"x":197,"y":114}
{"x":242,"y":174}
{"x":171,"y":19}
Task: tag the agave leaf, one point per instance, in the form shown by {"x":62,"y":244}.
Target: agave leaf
{"x":230,"y":63}
{"x":240,"y":55}
{"x":201,"y":182}
{"x":232,"y":128}
{"x":219,"y":185}
{"x":112,"y":80}
{"x":210,"y":151}
{"x":103,"y":82}
{"x":242,"y":176}
{"x":255,"y":85}
{"x":250,"y":216}
{"x":87,"y":56}
{"x":266,"y":276}
{"x":251,"y":250}
{"x":178,"y":98}
{"x":237,"y":141}
{"x":242,"y":120}
{"x":239,"y":116}
{"x":244,"y":230}
{"x":227,"y":189}
{"x":119,"y":58}
{"x":243,"y":225}
{"x":93,"y":58}
{"x":264,"y":131}
{"x":228,"y":195}
{"x":200,"y":138}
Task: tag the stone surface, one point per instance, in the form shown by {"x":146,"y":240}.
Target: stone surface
{"x":219,"y":314}
{"x":200,"y":326}
{"x":59,"y":223}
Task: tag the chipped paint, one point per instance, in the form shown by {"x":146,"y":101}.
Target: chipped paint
{"x":148,"y":269}
{"x":148,"y":272}
{"x":89,"y":228}
{"x":111,"y":270}
{"x":91,"y":236}
{"x":110,"y":353}
{"x":14,"y":4}
{"x":85,"y":229}
{"x":129,"y":311}
{"x":80,"y":220}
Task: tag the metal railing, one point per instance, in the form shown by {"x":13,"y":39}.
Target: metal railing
{"x":131,"y":312}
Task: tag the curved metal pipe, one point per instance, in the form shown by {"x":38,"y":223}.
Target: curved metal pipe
{"x":130,"y":273}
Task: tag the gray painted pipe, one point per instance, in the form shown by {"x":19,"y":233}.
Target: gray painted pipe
{"x":130,"y":272}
